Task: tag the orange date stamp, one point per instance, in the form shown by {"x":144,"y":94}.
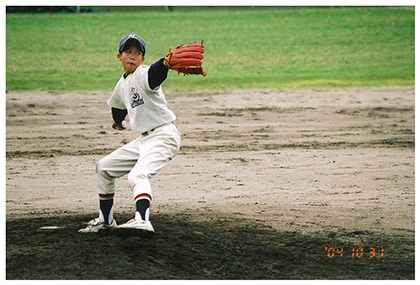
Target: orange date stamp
{"x":355,"y":252}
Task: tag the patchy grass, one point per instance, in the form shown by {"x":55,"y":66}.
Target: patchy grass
{"x":261,"y":48}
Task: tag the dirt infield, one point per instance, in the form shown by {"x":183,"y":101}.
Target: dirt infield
{"x":268,"y":184}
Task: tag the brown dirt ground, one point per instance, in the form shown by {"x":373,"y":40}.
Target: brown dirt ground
{"x":269,"y":184}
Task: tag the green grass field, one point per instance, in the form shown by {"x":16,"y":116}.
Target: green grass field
{"x":245,"y":48}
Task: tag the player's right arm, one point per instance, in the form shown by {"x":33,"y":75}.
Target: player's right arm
{"x":118,"y":117}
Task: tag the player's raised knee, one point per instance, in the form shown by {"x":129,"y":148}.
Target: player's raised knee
{"x":101,"y":165}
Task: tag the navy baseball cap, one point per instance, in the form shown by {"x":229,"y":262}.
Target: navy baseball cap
{"x":135,"y":37}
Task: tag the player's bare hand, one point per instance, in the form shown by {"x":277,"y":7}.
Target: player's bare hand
{"x":119,"y":127}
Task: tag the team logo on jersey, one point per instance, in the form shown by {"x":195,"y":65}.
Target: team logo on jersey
{"x":136,"y":100}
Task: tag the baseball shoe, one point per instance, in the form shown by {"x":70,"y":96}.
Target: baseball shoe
{"x":96,"y":225}
{"x":136,"y":227}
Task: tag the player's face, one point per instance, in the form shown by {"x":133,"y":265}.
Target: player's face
{"x":131,"y":58}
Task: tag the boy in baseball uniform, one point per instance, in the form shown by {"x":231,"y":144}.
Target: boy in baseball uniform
{"x":139,"y":95}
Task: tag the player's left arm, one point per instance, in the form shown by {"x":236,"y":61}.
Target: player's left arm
{"x":157,"y":73}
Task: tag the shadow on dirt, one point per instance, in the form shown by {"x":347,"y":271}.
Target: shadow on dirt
{"x":184,"y":249}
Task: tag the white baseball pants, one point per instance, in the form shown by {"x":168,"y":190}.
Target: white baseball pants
{"x":141,"y":159}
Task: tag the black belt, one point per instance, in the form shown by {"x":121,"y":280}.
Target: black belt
{"x":149,"y":132}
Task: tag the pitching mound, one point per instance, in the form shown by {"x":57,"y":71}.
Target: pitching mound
{"x":223,"y":248}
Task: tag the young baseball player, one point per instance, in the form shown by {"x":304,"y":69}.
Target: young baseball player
{"x":139,"y":94}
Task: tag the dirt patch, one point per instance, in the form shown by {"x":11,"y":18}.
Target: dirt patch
{"x":275,"y":175}
{"x":223,"y":248}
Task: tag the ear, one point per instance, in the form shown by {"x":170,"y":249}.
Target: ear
{"x":119,"y":56}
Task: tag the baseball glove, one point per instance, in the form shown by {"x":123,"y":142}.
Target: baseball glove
{"x":187,"y":59}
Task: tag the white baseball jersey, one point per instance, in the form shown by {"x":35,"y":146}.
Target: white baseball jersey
{"x":147,"y":108}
